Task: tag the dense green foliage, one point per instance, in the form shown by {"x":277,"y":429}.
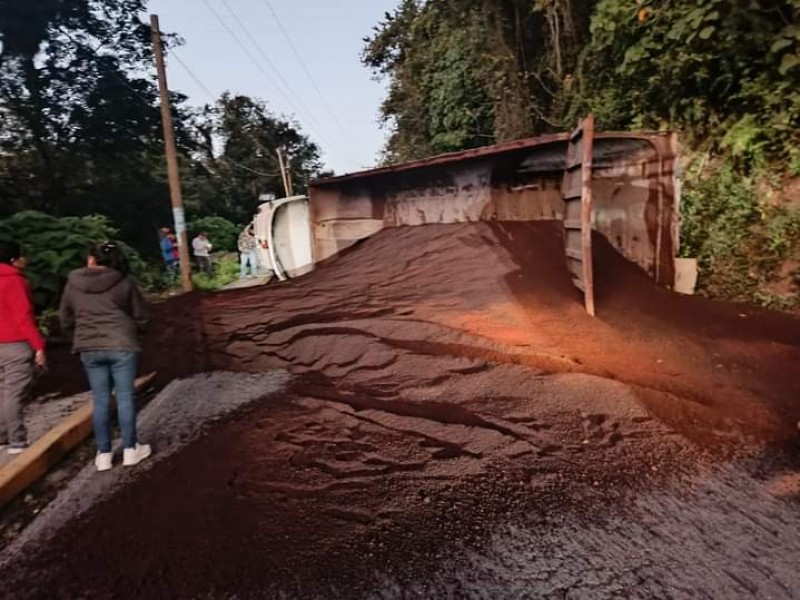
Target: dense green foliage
{"x":222,"y":234}
{"x":740,"y":242}
{"x":227,"y":181}
{"x":55,"y":246}
{"x":724,"y":73}
{"x":81,"y":129}
{"x":470,"y":72}
{"x":453,"y":79}
{"x":226,"y":270}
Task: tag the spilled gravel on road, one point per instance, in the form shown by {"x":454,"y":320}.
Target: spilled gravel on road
{"x":453,"y":425}
{"x":722,"y":534}
{"x":178,"y":416}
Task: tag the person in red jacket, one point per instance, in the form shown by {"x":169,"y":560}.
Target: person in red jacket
{"x":21,"y":345}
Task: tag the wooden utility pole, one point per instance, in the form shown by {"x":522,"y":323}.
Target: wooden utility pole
{"x":287,"y":185}
{"x":172,"y":158}
{"x":289,"y":175}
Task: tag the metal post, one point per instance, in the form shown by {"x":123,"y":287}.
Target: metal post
{"x":284,"y":176}
{"x":172,"y":158}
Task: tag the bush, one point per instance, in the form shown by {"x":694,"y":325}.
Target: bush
{"x":226,"y":271}
{"x":55,"y":246}
{"x":221,"y":233}
{"x":724,"y":72}
{"x":740,"y":242}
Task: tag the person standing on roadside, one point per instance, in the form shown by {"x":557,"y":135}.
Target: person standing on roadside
{"x":202,"y":253}
{"x":21,"y":347}
{"x":103,"y":311}
{"x":248,"y":253}
{"x":169,"y":252}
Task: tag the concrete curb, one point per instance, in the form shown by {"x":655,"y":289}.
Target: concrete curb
{"x":45,"y":452}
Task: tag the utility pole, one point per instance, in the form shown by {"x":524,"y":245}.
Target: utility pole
{"x":172,"y":158}
{"x":287,"y":184}
{"x":289,"y":174}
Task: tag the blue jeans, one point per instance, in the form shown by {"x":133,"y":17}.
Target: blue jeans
{"x":173,"y":273}
{"x":107,"y":369}
{"x":246,"y":258}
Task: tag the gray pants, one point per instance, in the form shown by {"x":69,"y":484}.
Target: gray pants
{"x":204,"y":265}
{"x":16,"y":375}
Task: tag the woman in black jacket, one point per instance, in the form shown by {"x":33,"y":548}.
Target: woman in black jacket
{"x":102,"y":310}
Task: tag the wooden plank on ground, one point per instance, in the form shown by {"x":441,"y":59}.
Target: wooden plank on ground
{"x":45,"y":452}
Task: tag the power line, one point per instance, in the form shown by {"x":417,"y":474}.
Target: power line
{"x":151,"y":105}
{"x":238,"y":166}
{"x":260,"y":68}
{"x":211,"y":96}
{"x":304,"y":67}
{"x":264,"y":55}
{"x":244,"y":48}
{"x":313,"y":122}
{"x":269,"y":62}
{"x":194,"y":77}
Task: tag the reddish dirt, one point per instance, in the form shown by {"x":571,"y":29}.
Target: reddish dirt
{"x":446,"y":381}
{"x":700,"y":365}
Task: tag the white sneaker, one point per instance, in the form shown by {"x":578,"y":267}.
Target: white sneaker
{"x":103,"y":461}
{"x":133,"y":456}
{"x":17,"y":449}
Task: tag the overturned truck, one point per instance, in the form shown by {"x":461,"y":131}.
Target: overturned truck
{"x":623,"y":185}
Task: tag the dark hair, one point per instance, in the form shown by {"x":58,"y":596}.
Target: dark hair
{"x":109,"y":254}
{"x":9,"y":251}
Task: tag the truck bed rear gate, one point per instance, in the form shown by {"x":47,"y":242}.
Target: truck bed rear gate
{"x":577,"y":193}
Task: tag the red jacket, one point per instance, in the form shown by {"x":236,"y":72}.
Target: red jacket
{"x":16,"y":309}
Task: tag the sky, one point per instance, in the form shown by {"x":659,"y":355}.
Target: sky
{"x":327,"y":91}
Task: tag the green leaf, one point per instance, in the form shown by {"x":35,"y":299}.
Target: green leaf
{"x":789,"y":62}
{"x":791,"y":31}
{"x":780,"y":44}
{"x":707,"y":32}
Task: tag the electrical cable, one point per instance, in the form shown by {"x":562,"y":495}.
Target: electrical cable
{"x":313,"y":122}
{"x":304,"y":67}
{"x":150,"y":105}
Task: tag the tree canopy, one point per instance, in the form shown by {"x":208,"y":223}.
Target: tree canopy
{"x":81,"y":133}
{"x":236,"y":154}
{"x":464,"y":73}
{"x":82,"y":130}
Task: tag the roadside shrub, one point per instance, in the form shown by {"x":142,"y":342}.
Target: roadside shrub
{"x":55,"y":246}
{"x":739,"y":239}
{"x":226,"y":270}
{"x":221,"y":233}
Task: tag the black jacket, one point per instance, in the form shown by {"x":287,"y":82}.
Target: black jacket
{"x":102,"y":309}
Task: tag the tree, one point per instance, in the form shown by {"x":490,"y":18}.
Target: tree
{"x":236,"y":158}
{"x":725,"y":72}
{"x":55,"y":246}
{"x":81,"y":130}
{"x":466,"y":73}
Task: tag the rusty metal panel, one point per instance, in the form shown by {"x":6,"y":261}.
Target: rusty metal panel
{"x":577,"y":193}
{"x":635,"y":194}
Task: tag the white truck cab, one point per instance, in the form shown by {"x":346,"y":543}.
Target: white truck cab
{"x":284,"y":225}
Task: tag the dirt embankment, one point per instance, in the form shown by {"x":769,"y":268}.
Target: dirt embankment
{"x":446,"y":383}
